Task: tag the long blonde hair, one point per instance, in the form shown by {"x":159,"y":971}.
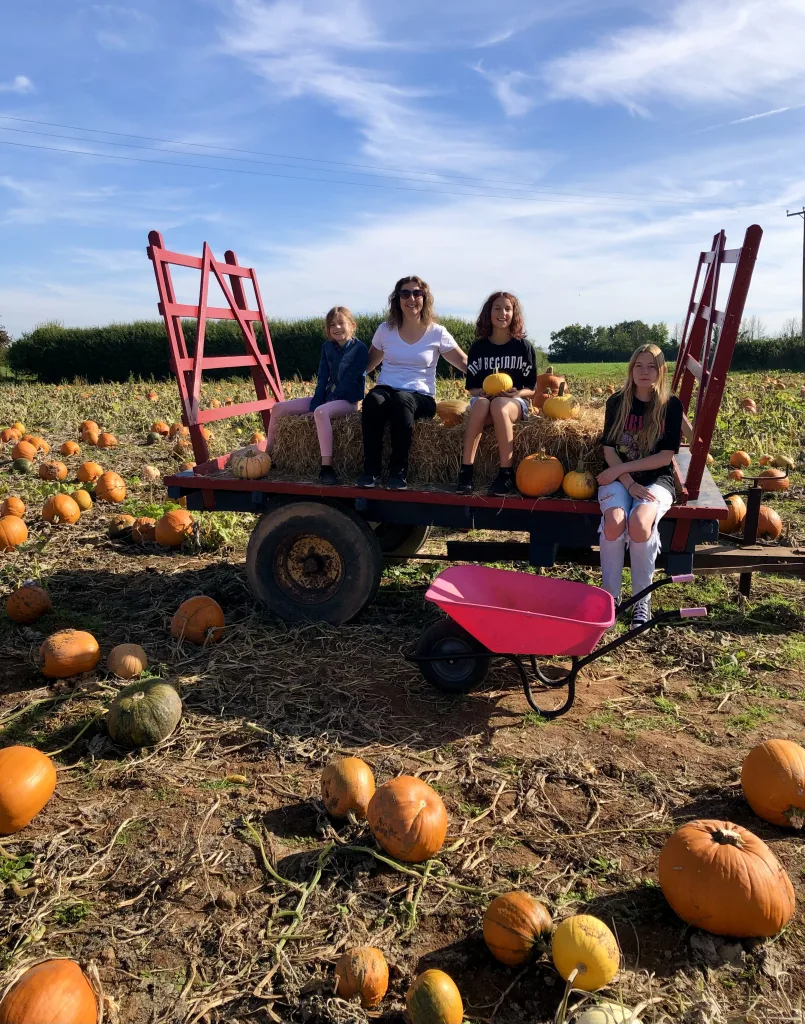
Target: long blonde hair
{"x":654,"y":416}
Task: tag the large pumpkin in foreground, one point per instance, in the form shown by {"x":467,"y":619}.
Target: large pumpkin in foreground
{"x":722,"y":878}
{"x":514,"y":924}
{"x":27,"y":782}
{"x":497,"y":383}
{"x":364,"y":972}
{"x":174,"y":528}
{"x":584,"y":944}
{"x":144,"y":714}
{"x":199,"y":620}
{"x":53,"y":992}
{"x":408,"y":818}
{"x":434,"y":998}
{"x":773,"y":781}
{"x":347,"y":784}
{"x":539,"y":474}
{"x":69,"y":653}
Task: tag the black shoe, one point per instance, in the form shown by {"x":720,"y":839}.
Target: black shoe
{"x":397,"y":481}
{"x":327,"y":476}
{"x":368,"y":480}
{"x":464,"y":483}
{"x":503,"y":485}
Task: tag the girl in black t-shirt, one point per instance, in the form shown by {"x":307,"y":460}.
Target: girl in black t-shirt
{"x":642,"y":431}
{"x":500,"y":347}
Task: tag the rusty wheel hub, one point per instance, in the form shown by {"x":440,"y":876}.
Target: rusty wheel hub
{"x":308,"y":568}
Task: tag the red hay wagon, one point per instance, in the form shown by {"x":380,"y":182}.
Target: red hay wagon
{"x":317,"y":553}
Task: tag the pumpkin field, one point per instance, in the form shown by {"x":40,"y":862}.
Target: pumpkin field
{"x":198,"y":849}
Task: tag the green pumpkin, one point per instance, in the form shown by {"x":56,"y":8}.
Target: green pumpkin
{"x":153,"y":438}
{"x":144,"y":714}
{"x":23,"y":466}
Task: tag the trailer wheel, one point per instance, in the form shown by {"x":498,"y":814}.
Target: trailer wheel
{"x":400,"y":540}
{"x":450,"y":665}
{"x":309,"y":560}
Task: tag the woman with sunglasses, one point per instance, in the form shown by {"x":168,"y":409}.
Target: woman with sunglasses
{"x":409,"y":343}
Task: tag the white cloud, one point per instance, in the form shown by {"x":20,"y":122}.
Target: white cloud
{"x":123,"y":28}
{"x":20,"y":84}
{"x":701,"y":52}
{"x":304,"y":50}
{"x":505,"y":85}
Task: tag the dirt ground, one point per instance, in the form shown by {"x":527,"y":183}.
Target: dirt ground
{"x":202,"y":881}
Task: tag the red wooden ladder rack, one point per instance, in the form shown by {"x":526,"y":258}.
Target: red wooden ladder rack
{"x":704,"y":355}
{"x":188,"y":367}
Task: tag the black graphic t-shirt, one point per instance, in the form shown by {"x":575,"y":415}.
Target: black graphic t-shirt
{"x":516,"y":357}
{"x":627,"y":445}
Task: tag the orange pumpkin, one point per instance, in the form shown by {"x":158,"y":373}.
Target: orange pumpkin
{"x":737,"y":514}
{"x":90,"y":436}
{"x":143,"y":530}
{"x":110,"y":487}
{"x":152,"y":396}
{"x":199,"y":620}
{"x":106,"y":441}
{"x":174,"y":528}
{"x":251,"y":466}
{"x":178,"y":430}
{"x":19,"y":427}
{"x":13,"y":532}
{"x":120,"y":526}
{"x":160,"y":427}
{"x":765,"y":460}
{"x":451,"y":411}
{"x":579,"y":483}
{"x":70,"y":448}
{"x":38,"y":442}
{"x":12,"y":506}
{"x":364,"y":972}
{"x":258,"y":436}
{"x":27,"y":604}
{"x":68,"y":653}
{"x":408,"y":818}
{"x":735,"y":474}
{"x":53,"y":471}
{"x":127,"y":661}
{"x":347,"y":785}
{"x":89,"y":472}
{"x":27,"y":782}
{"x":82,"y":498}
{"x":434,"y":999}
{"x":722,"y":878}
{"x":88,"y":426}
{"x":539,"y":474}
{"x":24,"y":450}
{"x":514,"y":924}
{"x":740,"y":460}
{"x":183,"y":448}
{"x":773,"y":480}
{"x":769,"y":523}
{"x":773,"y":781}
{"x":215,"y":404}
{"x":748,"y":405}
{"x":61,"y":508}
{"x":10,"y":434}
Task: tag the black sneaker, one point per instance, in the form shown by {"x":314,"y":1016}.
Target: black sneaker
{"x":397,"y":481}
{"x":464,"y":483}
{"x":503,"y":485}
{"x":368,"y":480}
{"x":327,"y":476}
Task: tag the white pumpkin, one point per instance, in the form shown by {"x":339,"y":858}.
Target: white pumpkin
{"x":604,"y":1013}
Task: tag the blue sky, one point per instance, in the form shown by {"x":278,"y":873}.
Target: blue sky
{"x":579,"y":154}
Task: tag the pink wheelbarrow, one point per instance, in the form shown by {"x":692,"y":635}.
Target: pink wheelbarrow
{"x":497,"y":613}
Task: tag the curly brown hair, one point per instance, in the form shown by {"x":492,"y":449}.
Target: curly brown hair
{"x":395,"y":317}
{"x":483,"y":325}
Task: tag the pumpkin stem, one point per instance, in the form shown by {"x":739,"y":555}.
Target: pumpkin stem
{"x":561,"y":389}
{"x":727,"y":837}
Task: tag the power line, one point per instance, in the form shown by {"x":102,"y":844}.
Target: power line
{"x":581,"y":201}
{"x":374,"y":171}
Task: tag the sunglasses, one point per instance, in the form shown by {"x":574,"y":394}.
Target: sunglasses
{"x":411,"y":293}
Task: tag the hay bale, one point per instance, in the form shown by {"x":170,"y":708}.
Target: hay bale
{"x":435,"y":455}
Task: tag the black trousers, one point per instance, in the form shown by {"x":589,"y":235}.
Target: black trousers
{"x":399,"y":409}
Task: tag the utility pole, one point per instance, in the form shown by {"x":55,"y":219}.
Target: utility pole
{"x":801,"y":213}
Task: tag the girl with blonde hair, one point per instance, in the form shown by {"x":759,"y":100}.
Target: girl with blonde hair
{"x":339,"y":390}
{"x":642,"y":432}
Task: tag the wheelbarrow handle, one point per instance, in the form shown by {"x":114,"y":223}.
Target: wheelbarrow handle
{"x":692,"y":613}
{"x":686,"y":578}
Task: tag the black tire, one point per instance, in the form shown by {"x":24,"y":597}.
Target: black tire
{"x":453,"y":672}
{"x":400,"y":540}
{"x":308,"y":560}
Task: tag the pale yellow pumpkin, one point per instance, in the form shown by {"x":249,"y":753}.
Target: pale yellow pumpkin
{"x":250,"y":466}
{"x":584,"y":944}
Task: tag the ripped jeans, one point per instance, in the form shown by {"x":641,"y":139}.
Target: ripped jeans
{"x":642,"y":555}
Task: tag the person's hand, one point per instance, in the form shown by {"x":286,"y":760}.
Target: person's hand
{"x":641,"y":493}
{"x":512,"y":392}
{"x":609,"y":475}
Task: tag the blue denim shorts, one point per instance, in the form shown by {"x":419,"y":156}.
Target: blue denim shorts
{"x":615,"y":495}
{"x":525,"y":405}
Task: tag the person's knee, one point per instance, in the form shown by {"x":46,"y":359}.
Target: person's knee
{"x":614,"y":524}
{"x":639,"y":529}
{"x":499,"y":408}
{"x":320,"y":414}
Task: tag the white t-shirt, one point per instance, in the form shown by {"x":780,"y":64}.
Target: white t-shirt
{"x":411,"y":367}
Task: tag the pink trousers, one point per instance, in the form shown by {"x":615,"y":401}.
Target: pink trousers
{"x":321,"y":417}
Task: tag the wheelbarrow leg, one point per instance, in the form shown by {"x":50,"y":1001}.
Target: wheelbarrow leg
{"x":569,"y":681}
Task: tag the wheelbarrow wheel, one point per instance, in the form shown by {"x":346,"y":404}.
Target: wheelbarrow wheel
{"x":456,"y":662}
